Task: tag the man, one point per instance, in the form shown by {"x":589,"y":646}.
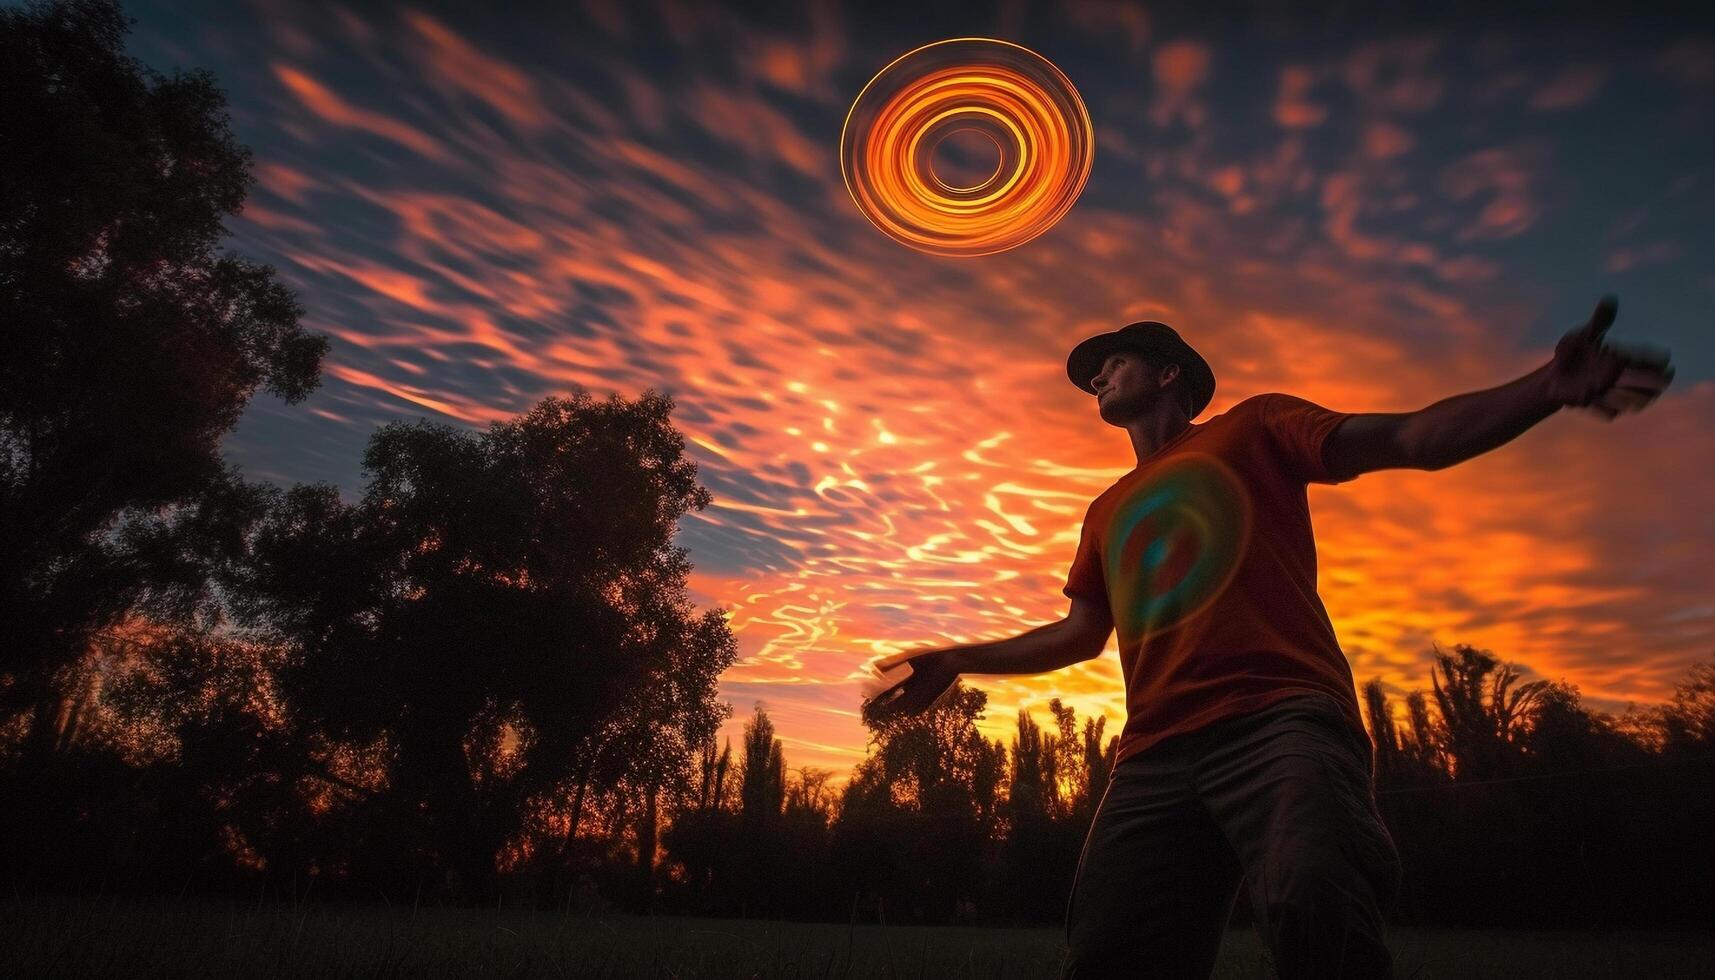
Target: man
{"x":1243,"y":757}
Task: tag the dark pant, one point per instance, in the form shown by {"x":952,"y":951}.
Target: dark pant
{"x":1282,"y":799}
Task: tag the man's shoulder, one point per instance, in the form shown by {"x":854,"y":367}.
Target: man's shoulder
{"x":1265,"y":399}
{"x":1266,"y":403}
{"x":1250,"y":408}
{"x":1255,"y":417}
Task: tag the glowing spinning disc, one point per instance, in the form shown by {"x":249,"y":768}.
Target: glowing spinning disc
{"x":1012,"y":96}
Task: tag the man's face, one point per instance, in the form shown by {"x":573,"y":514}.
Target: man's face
{"x":1129,"y":387}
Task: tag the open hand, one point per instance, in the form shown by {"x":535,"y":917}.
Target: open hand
{"x":932,"y":672}
{"x":1608,"y":380}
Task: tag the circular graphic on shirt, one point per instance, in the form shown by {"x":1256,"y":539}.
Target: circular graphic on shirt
{"x":1174,"y":543}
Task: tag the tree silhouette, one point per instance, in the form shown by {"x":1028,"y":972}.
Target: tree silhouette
{"x":1565,"y":735}
{"x":762,"y":782}
{"x":810,"y":794}
{"x":1033,"y":791}
{"x":1071,"y":774}
{"x":129,"y":346}
{"x":1481,"y":711}
{"x":1097,"y":767}
{"x":1412,"y":756}
{"x":1520,"y":804}
{"x":1423,"y":742}
{"x":1382,"y":731}
{"x":712,"y":772}
{"x":702,"y":837}
{"x":1051,"y":799}
{"x":506,"y":613}
{"x":669,"y":718}
{"x":1688,"y":722}
{"x":762,"y":804}
{"x":922,"y":812}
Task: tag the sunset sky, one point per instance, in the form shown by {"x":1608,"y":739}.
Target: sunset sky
{"x":482,"y":207}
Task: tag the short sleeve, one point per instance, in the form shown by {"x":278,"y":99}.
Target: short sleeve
{"x":1085,"y":579}
{"x":1298,"y":429}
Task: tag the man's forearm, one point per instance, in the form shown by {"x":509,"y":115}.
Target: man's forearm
{"x":1043,"y":649}
{"x":1455,"y":429}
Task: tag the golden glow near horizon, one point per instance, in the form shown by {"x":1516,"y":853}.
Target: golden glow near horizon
{"x":896,"y":457}
{"x":1025,"y":107}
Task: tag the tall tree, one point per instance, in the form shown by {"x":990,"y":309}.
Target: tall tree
{"x":1046,"y":816}
{"x":1403,"y":757}
{"x":762,"y":803}
{"x":702,"y":837}
{"x":1030,"y":794}
{"x":1383,"y":732}
{"x":712,"y":772}
{"x":128,"y":346}
{"x":1481,"y":710}
{"x":921,"y":814}
{"x":1070,"y":762}
{"x":762,"y":782}
{"x":1097,"y":767}
{"x":514,"y":588}
{"x":1424,"y":742}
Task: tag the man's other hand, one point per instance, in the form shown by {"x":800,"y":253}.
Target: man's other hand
{"x":931,"y":673}
{"x":1608,"y":380}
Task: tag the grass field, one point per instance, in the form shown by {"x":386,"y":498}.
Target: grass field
{"x":89,"y":939}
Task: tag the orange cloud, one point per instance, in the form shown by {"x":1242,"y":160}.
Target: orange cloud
{"x":1572,"y":87}
{"x":335,"y":110}
{"x":1291,"y":108}
{"x":1383,"y":140}
{"x":283,"y":181}
{"x":459,"y":66}
{"x":759,"y":129}
{"x":1505,"y":176}
{"x":1396,"y":75}
{"x":804,"y":64}
{"x":1180,"y":68}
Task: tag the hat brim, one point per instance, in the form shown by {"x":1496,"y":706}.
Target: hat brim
{"x":1085,"y":362}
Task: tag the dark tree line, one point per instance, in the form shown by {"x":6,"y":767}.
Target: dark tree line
{"x":1517,"y":804}
{"x":1512,"y":803}
{"x":937,"y":824}
{"x":484,"y":678}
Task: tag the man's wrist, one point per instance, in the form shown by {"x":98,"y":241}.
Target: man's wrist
{"x":1541,"y":383}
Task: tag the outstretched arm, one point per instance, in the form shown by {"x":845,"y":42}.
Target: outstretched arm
{"x":1080,"y":636}
{"x":1584,"y":373}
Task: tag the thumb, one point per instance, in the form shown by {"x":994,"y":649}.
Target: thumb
{"x":1602,"y":318}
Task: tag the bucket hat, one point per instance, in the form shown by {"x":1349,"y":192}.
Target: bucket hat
{"x":1150,"y":338}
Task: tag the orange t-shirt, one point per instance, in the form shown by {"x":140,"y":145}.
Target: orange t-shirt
{"x":1205,"y":556}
